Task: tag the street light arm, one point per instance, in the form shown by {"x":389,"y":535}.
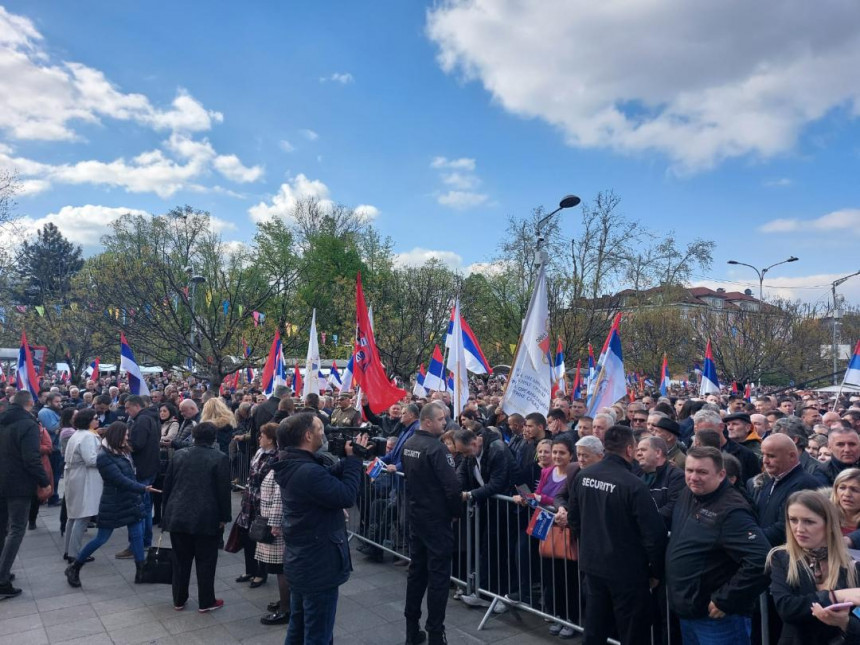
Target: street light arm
{"x":757,"y":272}
{"x":766,"y":269}
{"x":836,"y":283}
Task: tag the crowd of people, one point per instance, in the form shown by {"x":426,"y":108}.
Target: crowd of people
{"x":680,"y":511}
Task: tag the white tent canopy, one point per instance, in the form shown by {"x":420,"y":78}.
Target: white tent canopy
{"x":835,"y":388}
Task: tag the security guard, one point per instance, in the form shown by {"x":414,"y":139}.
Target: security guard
{"x":433,"y":500}
{"x":622,"y":543}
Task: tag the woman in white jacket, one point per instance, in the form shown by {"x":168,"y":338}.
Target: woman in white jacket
{"x":83,"y":481}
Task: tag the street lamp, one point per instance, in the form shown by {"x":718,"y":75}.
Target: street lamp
{"x":568,"y":201}
{"x":837,"y":314}
{"x":193,"y":280}
{"x":762,"y":273}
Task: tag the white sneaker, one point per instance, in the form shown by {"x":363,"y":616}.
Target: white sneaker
{"x":555,"y":629}
{"x":500,"y":608}
{"x":567,"y":632}
{"x":474,"y":601}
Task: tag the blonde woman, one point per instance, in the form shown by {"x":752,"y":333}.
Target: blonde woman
{"x":216,"y":411}
{"x":813,"y":571}
{"x":846,"y":497}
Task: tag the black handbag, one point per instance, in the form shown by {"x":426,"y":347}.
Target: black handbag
{"x":260,"y":531}
{"x":158,"y":565}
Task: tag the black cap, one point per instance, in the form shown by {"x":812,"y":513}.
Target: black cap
{"x":738,"y":416}
{"x":668,"y":424}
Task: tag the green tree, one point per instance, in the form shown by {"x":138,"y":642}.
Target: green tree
{"x":46,"y":266}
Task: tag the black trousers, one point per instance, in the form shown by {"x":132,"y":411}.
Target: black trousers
{"x":430,"y":571}
{"x":630,"y":605}
{"x":202,"y":550}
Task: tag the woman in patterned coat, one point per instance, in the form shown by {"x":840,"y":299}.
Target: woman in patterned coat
{"x":271,"y":555}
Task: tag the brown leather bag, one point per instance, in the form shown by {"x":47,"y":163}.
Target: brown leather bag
{"x":559,"y":545}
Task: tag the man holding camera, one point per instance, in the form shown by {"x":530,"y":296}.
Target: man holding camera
{"x":433,"y":501}
{"x":316,"y":556}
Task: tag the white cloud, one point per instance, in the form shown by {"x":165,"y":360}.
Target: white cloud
{"x":82,"y":225}
{"x":310,"y":135}
{"x":43,"y":99}
{"x":698,"y":83}
{"x":289,"y":194}
{"x":367,"y":212}
{"x":461,"y":199}
{"x":286,"y":146}
{"x":782,"y":182}
{"x":234,"y":170}
{"x":443,"y":163}
{"x":847,"y":219}
{"x":344,"y":78}
{"x":459,"y":176}
{"x":418,"y":256}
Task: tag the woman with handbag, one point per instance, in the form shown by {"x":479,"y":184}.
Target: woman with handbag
{"x":559,"y":570}
{"x":83,"y":489}
{"x":255,"y":572}
{"x":169,"y":417}
{"x":121,"y":502}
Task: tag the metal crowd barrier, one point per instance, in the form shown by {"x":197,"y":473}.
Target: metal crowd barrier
{"x":495,"y":559}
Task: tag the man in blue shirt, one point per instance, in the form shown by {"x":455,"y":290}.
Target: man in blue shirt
{"x":49,"y":417}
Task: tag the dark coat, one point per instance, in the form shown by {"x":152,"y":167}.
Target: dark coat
{"x":316,"y":556}
{"x":495,"y":465}
{"x":799,"y":626}
{"x":716,"y":553}
{"x":813,"y":467}
{"x":144,"y":436}
{"x":769,"y":500}
{"x":21,"y":468}
{"x":750,"y":465}
{"x":621,"y":535}
{"x":264,"y":413}
{"x":666,"y":488}
{"x":833,"y":467}
{"x":121,"y":503}
{"x":197,"y":491}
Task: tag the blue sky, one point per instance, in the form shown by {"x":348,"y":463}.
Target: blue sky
{"x":732,"y":123}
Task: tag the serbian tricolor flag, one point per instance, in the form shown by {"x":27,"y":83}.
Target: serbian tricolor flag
{"x":346,"y":379}
{"x":26,"y":373}
{"x":710,"y":384}
{"x":559,"y":386}
{"x":748,"y":393}
{"x":475,"y":360}
{"x":274,"y":372}
{"x":592,"y":371}
{"x":609,"y":386}
{"x":418,"y":389}
{"x":298,"y":384}
{"x":577,"y":381}
{"x":334,"y":376}
{"x":369,"y":373}
{"x":664,"y":376}
{"x":734,"y":387}
{"x":136,"y":384}
{"x":93,"y":369}
{"x":435,"y":377}
{"x":852,"y":374}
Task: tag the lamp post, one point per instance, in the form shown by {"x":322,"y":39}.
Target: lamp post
{"x":568,"y":201}
{"x":193,"y":281}
{"x":837,"y":314}
{"x":762,"y":273}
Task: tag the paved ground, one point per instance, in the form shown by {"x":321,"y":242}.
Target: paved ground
{"x":109,"y":608}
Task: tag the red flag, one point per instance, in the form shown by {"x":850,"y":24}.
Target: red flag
{"x":369,"y":373}
{"x":576,"y":390}
{"x":748,"y":393}
{"x":734,"y":387}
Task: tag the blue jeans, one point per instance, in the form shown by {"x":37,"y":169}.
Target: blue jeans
{"x":135,"y":540}
{"x":147,"y":515}
{"x":732,"y":629}
{"x":312,"y":617}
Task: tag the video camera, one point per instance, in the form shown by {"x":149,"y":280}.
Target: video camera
{"x":338,"y":436}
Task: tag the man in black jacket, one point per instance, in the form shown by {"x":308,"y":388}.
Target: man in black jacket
{"x":770,"y":491}
{"x":144,"y":436}
{"x":264,"y":412}
{"x":484,"y":472}
{"x":664,"y":479}
{"x":433,"y":501}
{"x":316,"y":557}
{"x":844,"y":444}
{"x":21,"y":472}
{"x":715,"y":563}
{"x":622,"y":541}
{"x":709,"y":420}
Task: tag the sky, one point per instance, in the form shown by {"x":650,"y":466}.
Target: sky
{"x":736,"y":122}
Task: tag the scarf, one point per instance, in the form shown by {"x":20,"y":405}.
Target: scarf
{"x":814,"y":558}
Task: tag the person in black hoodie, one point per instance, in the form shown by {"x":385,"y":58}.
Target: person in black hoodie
{"x":622,"y":541}
{"x":21,"y":472}
{"x":316,"y":557}
{"x":144,"y":436}
{"x":716,"y":556}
